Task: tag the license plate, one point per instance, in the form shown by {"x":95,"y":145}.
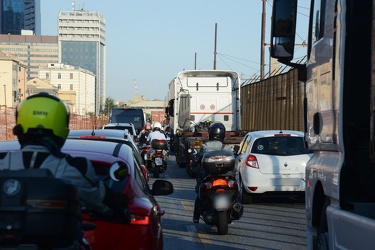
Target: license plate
{"x":145,"y":156}
{"x":221,"y":202}
{"x":159,"y":161}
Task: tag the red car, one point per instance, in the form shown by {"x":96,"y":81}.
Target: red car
{"x":144,"y":230}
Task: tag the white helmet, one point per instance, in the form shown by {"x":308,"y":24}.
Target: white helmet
{"x":156,"y":125}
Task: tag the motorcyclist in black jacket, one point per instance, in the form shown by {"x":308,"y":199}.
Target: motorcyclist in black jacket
{"x":216,"y":135}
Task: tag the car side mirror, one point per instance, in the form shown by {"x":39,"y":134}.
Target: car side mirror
{"x":162,"y":187}
{"x":235,"y":149}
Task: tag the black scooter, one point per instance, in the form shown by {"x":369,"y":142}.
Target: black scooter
{"x":218,"y":192}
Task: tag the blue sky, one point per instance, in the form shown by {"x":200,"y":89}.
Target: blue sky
{"x":149,"y":41}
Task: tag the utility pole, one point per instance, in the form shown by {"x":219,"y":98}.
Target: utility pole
{"x":195,"y":61}
{"x":262,"y":43}
{"x":215,"y":46}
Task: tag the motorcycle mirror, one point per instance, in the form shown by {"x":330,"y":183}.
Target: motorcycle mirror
{"x":118,"y":171}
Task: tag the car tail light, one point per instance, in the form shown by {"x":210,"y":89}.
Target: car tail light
{"x":251,"y":161}
{"x":253,"y":188}
{"x":139,"y":220}
{"x":139,"y":217}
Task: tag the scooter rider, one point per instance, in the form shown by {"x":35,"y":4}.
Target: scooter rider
{"x":42,"y":126}
{"x":155,"y":134}
{"x":216,"y":135}
{"x":144,"y":134}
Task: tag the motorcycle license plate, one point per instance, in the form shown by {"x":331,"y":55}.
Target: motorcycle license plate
{"x":145,"y":156}
{"x":159,"y":161}
{"x":221,"y":202}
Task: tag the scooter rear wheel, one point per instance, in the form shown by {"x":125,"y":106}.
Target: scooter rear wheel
{"x":156,"y":171}
{"x":222,"y":223}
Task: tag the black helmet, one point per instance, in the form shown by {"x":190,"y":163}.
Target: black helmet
{"x":216,"y":131}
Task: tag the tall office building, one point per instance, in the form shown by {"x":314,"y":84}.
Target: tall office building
{"x":33,"y":16}
{"x":82,"y":43}
{"x":18,"y":15}
{"x":32,"y":51}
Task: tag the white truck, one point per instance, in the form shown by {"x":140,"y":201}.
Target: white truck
{"x":339,"y":79}
{"x":198,"y":98}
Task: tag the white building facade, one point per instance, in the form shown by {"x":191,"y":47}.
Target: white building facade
{"x":68,"y":78}
{"x":82,"y":43}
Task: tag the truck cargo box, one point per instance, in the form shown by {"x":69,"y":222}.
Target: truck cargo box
{"x":36,"y":208}
{"x":218,"y":162}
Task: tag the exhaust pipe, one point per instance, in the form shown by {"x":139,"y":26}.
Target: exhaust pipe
{"x":237,"y":207}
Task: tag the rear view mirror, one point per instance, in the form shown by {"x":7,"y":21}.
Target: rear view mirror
{"x":283,"y":29}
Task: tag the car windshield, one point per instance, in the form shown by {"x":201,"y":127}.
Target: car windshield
{"x":280,"y":146}
{"x":130,"y":129}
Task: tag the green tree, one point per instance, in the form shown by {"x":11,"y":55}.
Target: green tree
{"x":109,"y":104}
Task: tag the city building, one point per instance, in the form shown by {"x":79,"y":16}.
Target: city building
{"x":33,"y":17}
{"x":18,"y":15}
{"x":82,"y":43}
{"x":9,"y":81}
{"x":75,"y":85}
{"x":150,"y":107}
{"x":33,"y":51}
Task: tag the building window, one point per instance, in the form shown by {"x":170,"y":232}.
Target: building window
{"x":47,"y":75}
{"x":59,"y":86}
{"x":58,"y":75}
{"x":71,"y":86}
{"x":71,"y":75}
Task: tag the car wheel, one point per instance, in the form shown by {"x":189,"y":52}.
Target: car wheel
{"x":246,"y":198}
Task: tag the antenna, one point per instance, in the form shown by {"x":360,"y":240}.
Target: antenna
{"x":135,"y":87}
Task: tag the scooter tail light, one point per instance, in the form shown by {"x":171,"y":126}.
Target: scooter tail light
{"x":232,"y":184}
{"x":208,"y":185}
{"x":220,"y":190}
{"x":219,"y":182}
{"x":252,"y":162}
{"x":139,"y":220}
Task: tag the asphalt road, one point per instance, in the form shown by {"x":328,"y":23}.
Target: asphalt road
{"x":270,"y":223}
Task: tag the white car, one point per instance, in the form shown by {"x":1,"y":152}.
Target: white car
{"x":271,"y":162}
{"x":123,"y":126}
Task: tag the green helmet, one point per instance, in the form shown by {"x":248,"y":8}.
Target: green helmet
{"x":42,"y":115}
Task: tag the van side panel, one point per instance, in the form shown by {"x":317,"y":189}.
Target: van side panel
{"x":129,"y":115}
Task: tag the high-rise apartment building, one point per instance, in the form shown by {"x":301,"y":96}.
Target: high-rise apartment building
{"x":32,"y":51}
{"x":18,"y":15}
{"x":82,"y":43}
